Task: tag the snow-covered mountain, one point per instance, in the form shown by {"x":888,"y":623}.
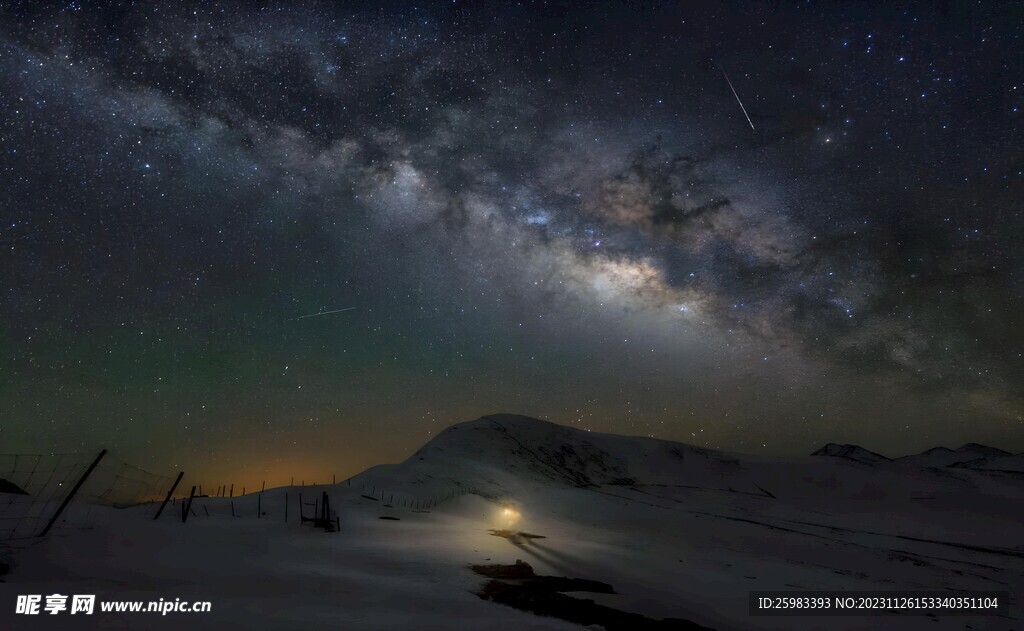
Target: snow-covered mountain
{"x":499,"y":452}
{"x":679,"y":532}
{"x":1013,"y":463}
{"x":850,"y":452}
{"x":971,"y":455}
{"x":847,"y":518}
{"x":506,"y":455}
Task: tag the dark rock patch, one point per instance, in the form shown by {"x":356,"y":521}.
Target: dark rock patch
{"x":518,"y":586}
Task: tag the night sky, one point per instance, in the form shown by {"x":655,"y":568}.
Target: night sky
{"x":555,"y":210}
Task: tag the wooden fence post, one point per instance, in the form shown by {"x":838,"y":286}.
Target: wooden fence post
{"x":67,"y":500}
{"x":169,"y":494}
{"x":188,"y":507}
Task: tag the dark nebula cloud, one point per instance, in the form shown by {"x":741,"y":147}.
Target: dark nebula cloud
{"x":553,"y":210}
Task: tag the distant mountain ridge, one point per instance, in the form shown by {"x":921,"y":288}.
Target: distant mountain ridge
{"x":969,"y":456}
{"x":506,"y":456}
{"x":850,"y":452}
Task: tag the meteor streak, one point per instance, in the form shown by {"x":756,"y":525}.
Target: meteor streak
{"x":737,"y":97}
{"x":323,"y":313}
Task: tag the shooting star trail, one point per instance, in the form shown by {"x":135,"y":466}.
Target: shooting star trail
{"x":737,"y":98}
{"x":323,"y":313}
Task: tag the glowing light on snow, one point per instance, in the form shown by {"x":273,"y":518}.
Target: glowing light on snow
{"x":509,"y":516}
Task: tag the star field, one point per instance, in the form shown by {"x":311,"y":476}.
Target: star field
{"x":541,"y":208}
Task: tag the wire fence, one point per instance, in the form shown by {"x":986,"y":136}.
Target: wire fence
{"x":311,"y":503}
{"x":120,"y":484}
{"x":35,"y":490}
{"x":413,"y":501}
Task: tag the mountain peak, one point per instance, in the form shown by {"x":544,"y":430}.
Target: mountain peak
{"x":984,"y":450}
{"x":507,"y":418}
{"x":850,"y":452}
{"x":497,"y":454}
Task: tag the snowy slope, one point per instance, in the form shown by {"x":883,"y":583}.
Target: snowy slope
{"x":504,"y":452}
{"x":944,"y":457}
{"x":504,"y":455}
{"x":678,"y":531}
{"x":1013,"y":463}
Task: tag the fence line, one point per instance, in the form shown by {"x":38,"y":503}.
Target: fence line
{"x":298,"y":502}
{"x":33,"y":487}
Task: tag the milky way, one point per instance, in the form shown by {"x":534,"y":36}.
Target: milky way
{"x":555,"y":212}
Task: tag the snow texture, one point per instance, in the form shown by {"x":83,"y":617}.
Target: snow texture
{"x":677,"y":531}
